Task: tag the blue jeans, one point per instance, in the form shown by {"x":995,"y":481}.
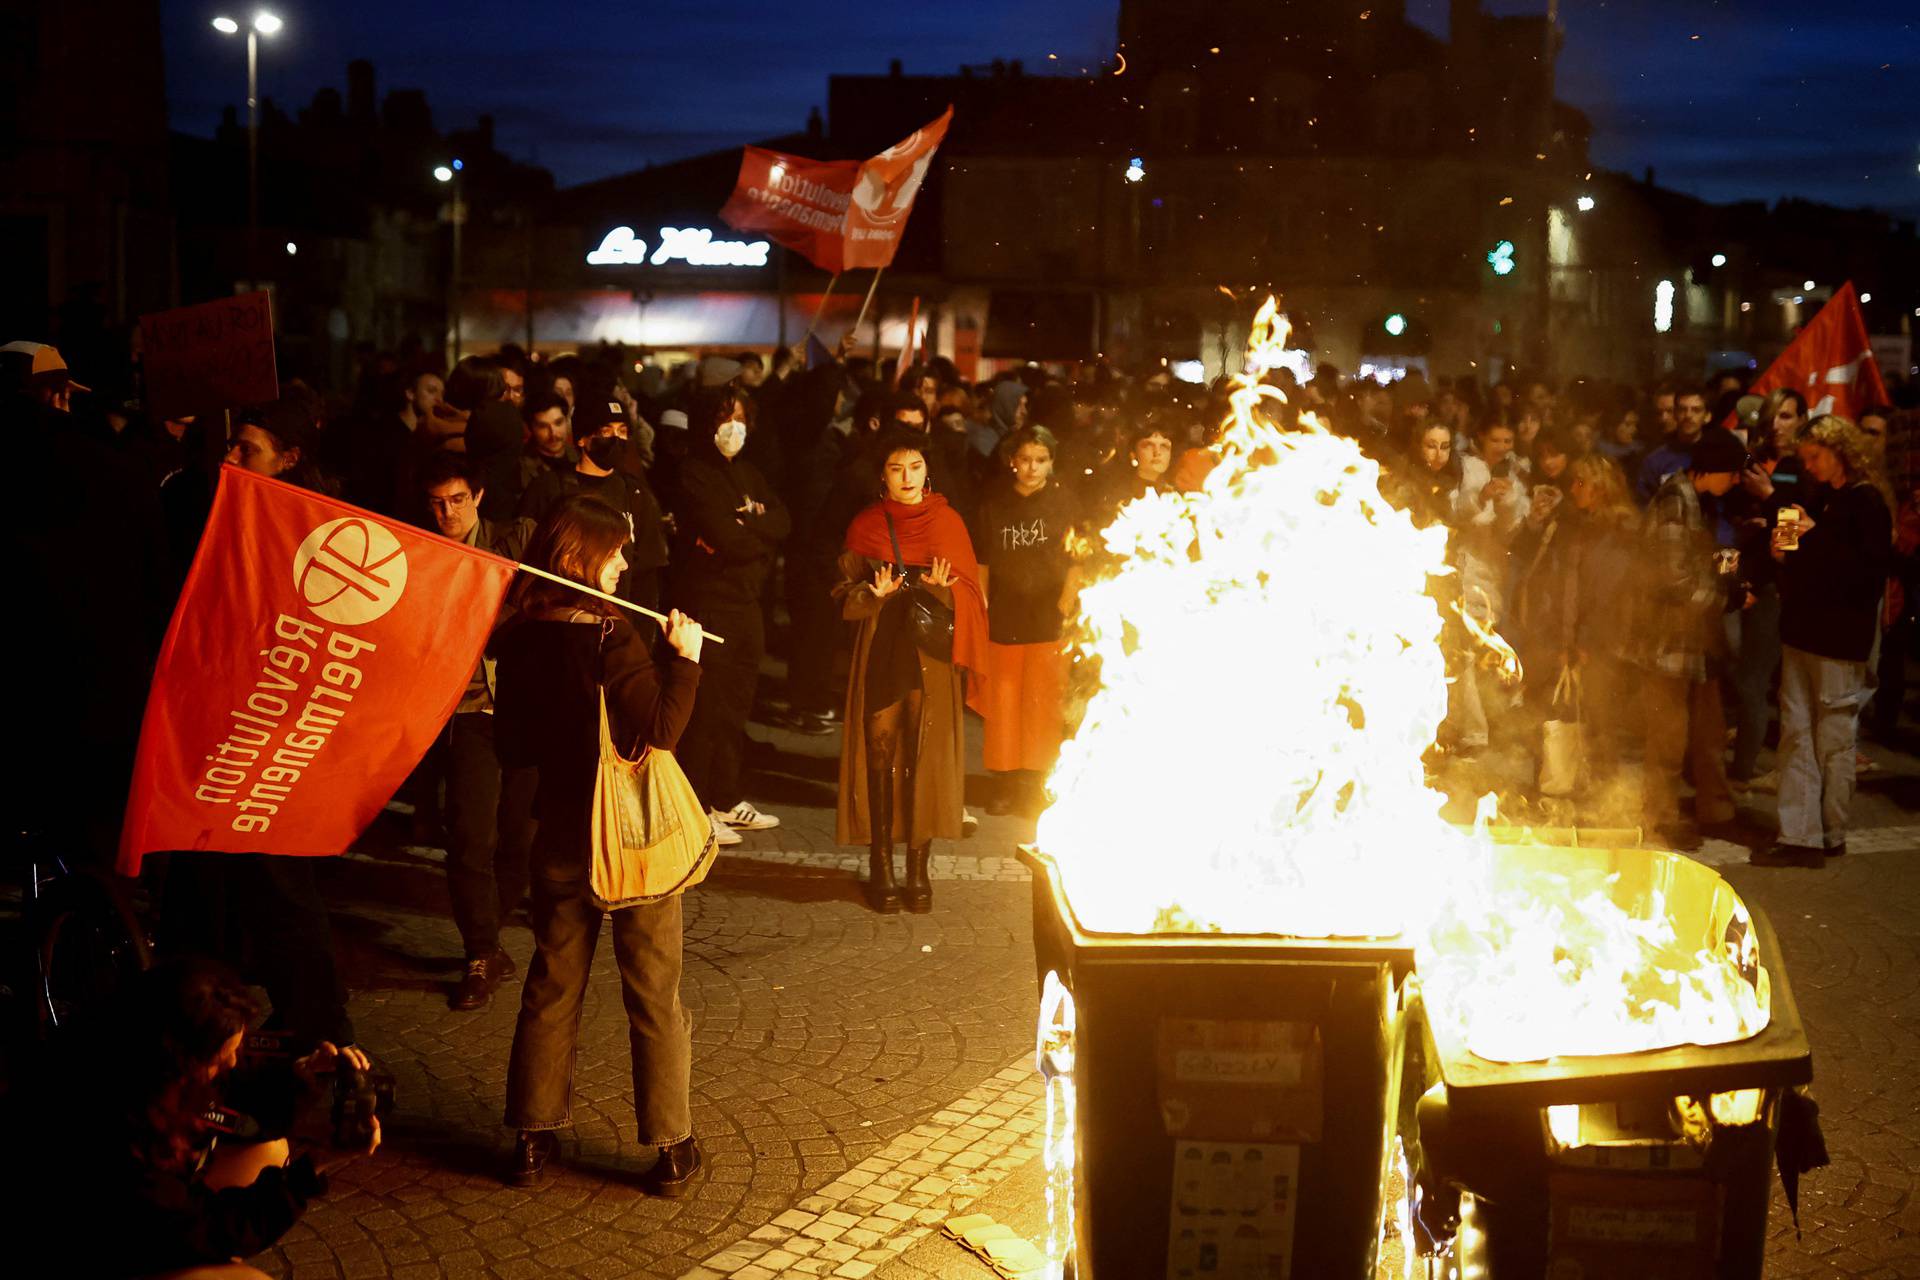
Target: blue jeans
{"x":1819,"y":704}
{"x":1756,"y":649}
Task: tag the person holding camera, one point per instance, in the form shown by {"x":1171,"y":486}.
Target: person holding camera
{"x":1833,"y":548}
{"x":163,"y":1155}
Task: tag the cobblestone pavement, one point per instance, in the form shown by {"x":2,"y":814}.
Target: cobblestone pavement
{"x":857,"y":1078}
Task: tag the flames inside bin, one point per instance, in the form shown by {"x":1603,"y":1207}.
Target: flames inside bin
{"x":1270,"y":677}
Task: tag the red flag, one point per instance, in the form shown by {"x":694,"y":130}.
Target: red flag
{"x":884,"y":193}
{"x":1830,"y":362}
{"x":315,"y":653}
{"x":797,"y":202}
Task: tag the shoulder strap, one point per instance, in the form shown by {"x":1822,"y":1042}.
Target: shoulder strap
{"x":894,"y":538}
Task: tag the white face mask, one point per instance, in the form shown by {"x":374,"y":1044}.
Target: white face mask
{"x":730,"y":438}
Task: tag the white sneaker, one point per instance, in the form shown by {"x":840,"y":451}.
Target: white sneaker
{"x":722,"y":833}
{"x":968,"y":823}
{"x":744,"y":817}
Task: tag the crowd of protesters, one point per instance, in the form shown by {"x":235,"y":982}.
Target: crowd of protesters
{"x":905,"y":542}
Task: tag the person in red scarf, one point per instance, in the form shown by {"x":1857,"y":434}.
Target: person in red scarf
{"x":903,"y":755}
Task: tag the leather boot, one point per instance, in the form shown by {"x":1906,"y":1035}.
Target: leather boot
{"x":917,"y":892}
{"x":531,"y":1152}
{"x":881,"y":893}
{"x":674,"y":1170}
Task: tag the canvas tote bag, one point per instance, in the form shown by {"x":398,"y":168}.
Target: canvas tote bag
{"x":651,"y":835}
{"x":1563,"y":747}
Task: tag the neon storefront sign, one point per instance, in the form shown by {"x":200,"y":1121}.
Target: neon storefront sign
{"x":694,"y":246}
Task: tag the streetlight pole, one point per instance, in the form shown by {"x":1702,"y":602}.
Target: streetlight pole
{"x":263,"y":24}
{"x":455,"y":174}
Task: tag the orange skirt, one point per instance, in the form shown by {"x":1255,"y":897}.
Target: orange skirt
{"x":1026,"y":705}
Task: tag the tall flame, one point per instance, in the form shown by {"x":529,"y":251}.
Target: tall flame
{"x":1270,"y":677}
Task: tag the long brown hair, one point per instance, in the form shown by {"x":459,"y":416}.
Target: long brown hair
{"x":575,"y":541}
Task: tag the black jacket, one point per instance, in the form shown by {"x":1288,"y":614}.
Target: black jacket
{"x":648,"y":550}
{"x":722,"y":554}
{"x":1830,"y":587}
{"x":547,"y":716}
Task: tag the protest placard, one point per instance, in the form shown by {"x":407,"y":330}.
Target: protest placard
{"x":216,"y":355}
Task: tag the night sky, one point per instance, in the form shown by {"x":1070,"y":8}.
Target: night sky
{"x":1815,"y":98}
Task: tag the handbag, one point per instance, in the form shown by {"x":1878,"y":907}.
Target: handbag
{"x":1563,"y":747}
{"x":930,"y":617}
{"x":652,"y":837}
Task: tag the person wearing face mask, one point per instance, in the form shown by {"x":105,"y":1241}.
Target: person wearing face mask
{"x":600,"y":429}
{"x":728,"y":521}
{"x":903,"y":755}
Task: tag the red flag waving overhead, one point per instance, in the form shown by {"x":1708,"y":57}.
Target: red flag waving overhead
{"x":1830,"y":361}
{"x":794,"y":201}
{"x":316,"y":651}
{"x":884,"y":194}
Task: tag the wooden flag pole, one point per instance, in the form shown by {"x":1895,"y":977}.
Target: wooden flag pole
{"x":815,"y":319}
{"x":581,"y":587}
{"x":861,"y":318}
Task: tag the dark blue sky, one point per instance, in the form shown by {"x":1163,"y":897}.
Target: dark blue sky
{"x":1818,"y":98}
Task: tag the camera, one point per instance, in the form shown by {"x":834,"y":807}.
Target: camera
{"x":358,"y":1097}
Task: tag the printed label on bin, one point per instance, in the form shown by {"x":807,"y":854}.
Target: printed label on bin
{"x":1232,"y":1210}
{"x":1240,"y":1080}
{"x":1620,"y":1224}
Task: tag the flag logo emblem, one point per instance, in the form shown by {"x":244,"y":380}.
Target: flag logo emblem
{"x":350,"y":571}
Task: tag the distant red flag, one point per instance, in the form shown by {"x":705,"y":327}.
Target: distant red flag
{"x":884,"y":194}
{"x":1830,"y":362}
{"x":316,"y":651}
{"x":794,"y":201}
{"x":910,"y":347}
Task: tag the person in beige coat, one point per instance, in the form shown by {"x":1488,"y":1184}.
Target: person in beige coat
{"x":903,"y":754}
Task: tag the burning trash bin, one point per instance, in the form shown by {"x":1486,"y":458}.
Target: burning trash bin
{"x":1222,"y":1102}
{"x":1654,"y":1164}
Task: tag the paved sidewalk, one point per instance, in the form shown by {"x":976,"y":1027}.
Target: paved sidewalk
{"x":859,"y":1078}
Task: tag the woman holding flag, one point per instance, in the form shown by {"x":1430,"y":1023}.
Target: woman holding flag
{"x":562,"y":649}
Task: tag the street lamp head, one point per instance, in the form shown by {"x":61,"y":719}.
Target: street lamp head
{"x":1584,"y":204}
{"x":1719,"y":259}
{"x":1807,"y":285}
{"x":226,"y":26}
{"x":442,"y":173}
{"x":267,"y":23}
{"x":1136,"y":169}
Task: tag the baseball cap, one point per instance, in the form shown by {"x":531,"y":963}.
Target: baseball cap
{"x":29,"y":362}
{"x":718,"y":371}
{"x":1747,"y":410}
{"x":591,"y":414}
{"x":675,"y":419}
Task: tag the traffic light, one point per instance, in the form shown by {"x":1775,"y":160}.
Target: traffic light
{"x":1500,"y":258}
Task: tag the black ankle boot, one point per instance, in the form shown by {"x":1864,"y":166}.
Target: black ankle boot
{"x":917,"y":892}
{"x":531,"y":1152}
{"x":882,"y":896}
{"x":674,"y":1170}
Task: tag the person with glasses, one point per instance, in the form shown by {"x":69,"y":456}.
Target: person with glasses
{"x":489,"y":806}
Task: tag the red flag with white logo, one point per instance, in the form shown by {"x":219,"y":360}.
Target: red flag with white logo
{"x":883,"y":194}
{"x":315,"y":653}
{"x":794,"y":201}
{"x":1830,"y":362}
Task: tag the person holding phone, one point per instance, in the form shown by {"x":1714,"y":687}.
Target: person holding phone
{"x":1488,"y":509}
{"x":1833,"y":551}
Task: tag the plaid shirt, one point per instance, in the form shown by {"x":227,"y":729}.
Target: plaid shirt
{"x":1677,"y":627}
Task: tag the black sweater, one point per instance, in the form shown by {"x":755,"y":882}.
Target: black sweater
{"x":547,"y":716}
{"x":1830,"y":587}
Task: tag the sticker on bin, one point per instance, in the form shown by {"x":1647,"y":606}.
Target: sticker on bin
{"x":1610,"y":1225}
{"x":1232,"y":1212}
{"x":1240,"y":1081}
